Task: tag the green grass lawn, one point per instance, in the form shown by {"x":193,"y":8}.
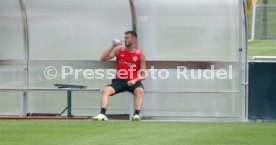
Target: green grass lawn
{"x":43,"y":132}
{"x":261,"y":48}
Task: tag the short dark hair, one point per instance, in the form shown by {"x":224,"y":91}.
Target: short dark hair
{"x":133,"y":33}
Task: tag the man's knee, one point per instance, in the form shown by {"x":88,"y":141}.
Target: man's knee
{"x":139,"y":91}
{"x":107,"y":91}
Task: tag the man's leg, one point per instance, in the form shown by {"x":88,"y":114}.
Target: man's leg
{"x":106,"y":93}
{"x":139,"y":96}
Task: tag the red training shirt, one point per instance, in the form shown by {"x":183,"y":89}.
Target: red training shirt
{"x":128,"y":64}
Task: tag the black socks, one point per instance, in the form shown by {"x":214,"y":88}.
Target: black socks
{"x":137,"y":112}
{"x":103,"y":111}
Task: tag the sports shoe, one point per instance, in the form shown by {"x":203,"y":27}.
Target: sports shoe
{"x":136,"y":117}
{"x":100,"y":117}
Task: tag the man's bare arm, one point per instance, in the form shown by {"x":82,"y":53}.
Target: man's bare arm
{"x":143,"y":67}
{"x":141,"y":75}
{"x":110,"y":52}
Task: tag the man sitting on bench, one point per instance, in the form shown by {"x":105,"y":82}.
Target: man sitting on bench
{"x":129,"y":60}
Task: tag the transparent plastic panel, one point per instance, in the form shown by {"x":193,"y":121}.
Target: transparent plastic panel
{"x":47,"y":102}
{"x":75,"y":29}
{"x":83,"y":103}
{"x":39,"y":79}
{"x":10,"y":103}
{"x":188,"y":29}
{"x":11,"y":30}
{"x":88,"y":103}
{"x":192,"y":105}
{"x":12,"y":77}
{"x":182,"y":30}
{"x":226,"y":77}
{"x":191,"y":30}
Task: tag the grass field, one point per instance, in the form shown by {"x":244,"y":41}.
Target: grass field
{"x":261,"y":48}
{"x":43,"y":132}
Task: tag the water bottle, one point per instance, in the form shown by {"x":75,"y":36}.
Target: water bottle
{"x":117,"y":41}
